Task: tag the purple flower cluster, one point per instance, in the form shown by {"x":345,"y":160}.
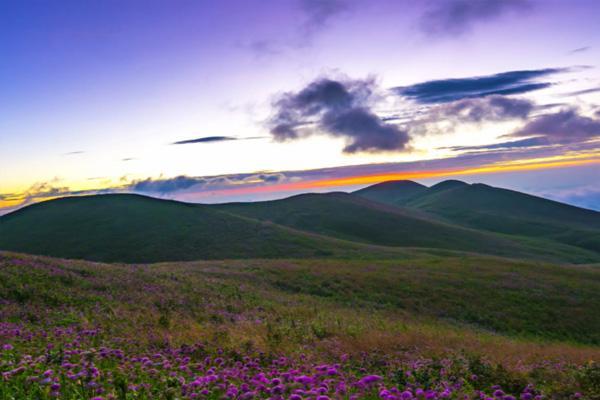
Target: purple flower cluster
{"x":67,"y":364}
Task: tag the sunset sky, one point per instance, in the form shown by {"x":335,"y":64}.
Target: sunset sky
{"x":212,"y":101}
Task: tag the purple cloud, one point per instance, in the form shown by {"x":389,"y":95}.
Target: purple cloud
{"x":491,"y":108}
{"x":456,"y":17}
{"x":504,"y":83}
{"x":319,"y":14}
{"x":338,"y":109}
{"x":563,"y":127}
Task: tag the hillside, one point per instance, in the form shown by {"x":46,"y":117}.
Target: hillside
{"x":392,"y":192}
{"x":499,"y":210}
{"x":157,"y":331}
{"x":349,"y":217}
{"x":132,"y":228}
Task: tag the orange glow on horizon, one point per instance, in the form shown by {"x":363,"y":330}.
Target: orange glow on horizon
{"x":376,"y":178}
{"x":511,"y":166}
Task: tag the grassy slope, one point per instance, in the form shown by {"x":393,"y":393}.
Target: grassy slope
{"x":130,"y":228}
{"x":392,"y":192}
{"x":353,"y":218}
{"x":500,"y":210}
{"x":308,"y":301}
{"x":433,"y":319}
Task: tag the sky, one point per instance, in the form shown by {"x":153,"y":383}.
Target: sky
{"x":206,"y":101}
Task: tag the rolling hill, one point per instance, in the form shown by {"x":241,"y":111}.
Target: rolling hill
{"x":133,"y":228}
{"x":350,"y":217}
{"x":498,"y":210}
{"x":392,"y":192}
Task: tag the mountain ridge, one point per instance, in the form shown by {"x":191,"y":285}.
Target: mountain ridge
{"x":136,"y":228}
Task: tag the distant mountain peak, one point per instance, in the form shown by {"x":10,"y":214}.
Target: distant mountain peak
{"x":391,"y":192}
{"x":448,"y":184}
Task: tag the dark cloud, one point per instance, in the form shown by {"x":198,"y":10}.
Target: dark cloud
{"x":336,"y":108}
{"x":505,"y":83}
{"x":531,"y":142}
{"x":579,"y":50}
{"x":73,"y":153}
{"x":563,"y":127}
{"x":163,"y":186}
{"x":129,"y":159}
{"x":456,"y":17}
{"x":179,"y":184}
{"x":447,"y":118}
{"x":206,"y":139}
{"x":491,"y":108}
{"x":214,"y":139}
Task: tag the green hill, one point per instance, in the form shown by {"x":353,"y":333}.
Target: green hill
{"x":132,"y":228}
{"x":504,"y":211}
{"x":352,"y":218}
{"x":392,"y":192}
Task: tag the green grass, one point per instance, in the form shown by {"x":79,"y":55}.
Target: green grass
{"x":508,"y":297}
{"x":497,"y":210}
{"x":350,"y":217}
{"x":132,"y":228}
{"x":518,"y":299}
{"x":510,"y":323}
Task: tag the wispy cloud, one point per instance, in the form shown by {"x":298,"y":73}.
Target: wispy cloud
{"x":587,"y":196}
{"x":584,"y":91}
{"x":216,"y":139}
{"x":490,"y":108}
{"x":166,"y":186}
{"x":563,"y":127}
{"x":318,"y":16}
{"x":504,"y":83}
{"x":73,"y":153}
{"x":531,"y":142}
{"x":457,"y":17}
{"x":268,"y":185}
{"x":315,"y":16}
{"x":580,"y":50}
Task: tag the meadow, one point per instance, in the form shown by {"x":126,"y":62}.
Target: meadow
{"x":424,"y":326}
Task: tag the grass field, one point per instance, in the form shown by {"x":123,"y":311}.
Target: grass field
{"x":421,"y":326}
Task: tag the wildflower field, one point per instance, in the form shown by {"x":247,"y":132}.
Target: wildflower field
{"x":427,"y":326}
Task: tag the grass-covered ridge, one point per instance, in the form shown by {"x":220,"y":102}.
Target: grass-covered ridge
{"x":494,"y":209}
{"x":133,"y":228}
{"x":528,"y":328}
